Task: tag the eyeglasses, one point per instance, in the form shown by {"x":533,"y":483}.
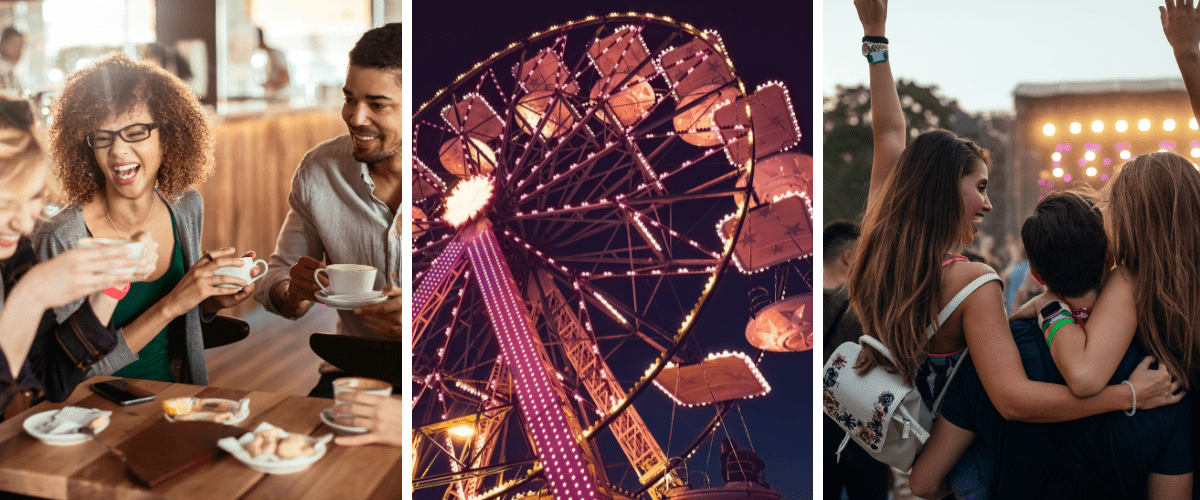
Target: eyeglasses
{"x":137,"y":132}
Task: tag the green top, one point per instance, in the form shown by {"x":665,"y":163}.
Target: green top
{"x":152,"y":363}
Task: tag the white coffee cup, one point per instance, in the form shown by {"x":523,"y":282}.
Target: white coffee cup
{"x":346,"y":279}
{"x":243,"y":272}
{"x":359,"y":384}
{"x":135,"y":249}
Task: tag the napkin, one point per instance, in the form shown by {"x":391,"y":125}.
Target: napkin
{"x":69,"y":419}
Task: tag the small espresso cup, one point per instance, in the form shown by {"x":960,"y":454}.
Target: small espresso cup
{"x":346,"y":279}
{"x":359,"y":384}
{"x":135,"y":249}
{"x":243,"y":272}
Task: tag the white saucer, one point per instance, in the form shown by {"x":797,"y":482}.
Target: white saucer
{"x":347,"y":302}
{"x":32,"y":423}
{"x":345,"y":430}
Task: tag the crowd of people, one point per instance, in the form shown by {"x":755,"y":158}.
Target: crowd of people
{"x":1080,"y":391}
{"x":128,"y":141}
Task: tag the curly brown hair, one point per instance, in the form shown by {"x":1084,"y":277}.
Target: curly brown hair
{"x":113,"y":86}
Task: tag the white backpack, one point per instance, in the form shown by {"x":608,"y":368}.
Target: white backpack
{"x":880,"y":411}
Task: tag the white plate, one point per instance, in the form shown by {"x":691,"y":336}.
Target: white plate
{"x":271,"y":464}
{"x":350,"y":301}
{"x":32,"y":423}
{"x":238,"y":416}
{"x":345,"y":430}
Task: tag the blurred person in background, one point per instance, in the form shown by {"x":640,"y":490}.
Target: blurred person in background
{"x":856,"y":472}
{"x":12,"y":43}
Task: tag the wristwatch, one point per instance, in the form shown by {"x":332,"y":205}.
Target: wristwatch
{"x":1051,"y":311}
{"x":869,"y":47}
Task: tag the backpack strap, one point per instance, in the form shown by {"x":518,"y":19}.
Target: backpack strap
{"x":957,"y":300}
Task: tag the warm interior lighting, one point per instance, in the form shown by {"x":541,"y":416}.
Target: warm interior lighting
{"x":1090,"y":155}
{"x":1091,"y":171}
{"x":1076,"y":127}
{"x":1195,"y":152}
{"x":1056,"y":156}
{"x":1048,"y":129}
{"x":1122,"y":125}
{"x":1097,"y":126}
{"x":1144,"y":124}
{"x":462,"y":431}
{"x":1169,"y":125}
{"x":1193,"y":125}
{"x":1058,"y":172}
{"x":1125,"y":154}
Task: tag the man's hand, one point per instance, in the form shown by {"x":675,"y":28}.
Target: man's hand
{"x":873,"y":15}
{"x":1181,"y":24}
{"x":302,"y":285}
{"x":382,"y":416}
{"x":1030,"y":309}
{"x":384,"y":318}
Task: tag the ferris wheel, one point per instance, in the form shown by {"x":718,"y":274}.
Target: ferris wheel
{"x":578,"y":196}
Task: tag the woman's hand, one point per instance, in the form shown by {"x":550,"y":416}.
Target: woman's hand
{"x":1154,"y":388}
{"x":149,"y":261}
{"x":200,"y":283}
{"x":1030,"y":309}
{"x":74,"y":274}
{"x":1181,"y":24}
{"x":218,"y":302}
{"x":382,"y":416}
{"x":873,"y":15}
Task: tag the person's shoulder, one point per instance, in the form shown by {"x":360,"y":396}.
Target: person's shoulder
{"x":957,"y":275}
{"x":328,"y":158}
{"x":65,"y":224}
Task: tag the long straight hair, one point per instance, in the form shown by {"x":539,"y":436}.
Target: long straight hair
{"x":1152,"y":215}
{"x":896,"y":279}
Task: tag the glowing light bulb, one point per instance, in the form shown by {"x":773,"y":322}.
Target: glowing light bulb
{"x":1056,"y":156}
{"x":1090,"y":155}
{"x":1122,"y":125}
{"x":1193,"y":125}
{"x":1097,"y":126}
{"x":1169,"y":125}
{"x":1195,"y":152}
{"x":1144,"y":124}
{"x":1076,"y":127}
{"x":1058,"y":172}
{"x":1048,"y":129}
{"x":462,"y":431}
{"x":1091,"y":171}
{"x":1125,"y":154}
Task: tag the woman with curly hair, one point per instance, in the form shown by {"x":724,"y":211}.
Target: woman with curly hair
{"x":128,"y":141}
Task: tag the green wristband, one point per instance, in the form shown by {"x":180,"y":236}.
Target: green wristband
{"x":1045,"y":325}
{"x":877,"y":56}
{"x":1054,"y":329}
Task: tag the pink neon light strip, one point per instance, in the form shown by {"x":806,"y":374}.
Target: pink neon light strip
{"x":438,"y":272}
{"x":560,"y":455}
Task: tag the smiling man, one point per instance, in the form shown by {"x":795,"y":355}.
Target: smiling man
{"x":345,"y":203}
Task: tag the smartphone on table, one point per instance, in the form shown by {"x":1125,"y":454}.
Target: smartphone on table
{"x":122,"y":392}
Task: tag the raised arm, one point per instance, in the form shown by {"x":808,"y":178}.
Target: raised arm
{"x":1181,"y":24}
{"x":887,"y":118}
{"x":1018,"y":398}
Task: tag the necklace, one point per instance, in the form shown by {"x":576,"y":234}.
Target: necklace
{"x":139,"y":228}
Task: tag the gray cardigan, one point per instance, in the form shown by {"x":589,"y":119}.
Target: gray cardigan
{"x":186,"y":354}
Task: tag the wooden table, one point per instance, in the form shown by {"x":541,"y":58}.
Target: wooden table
{"x":88,"y":470}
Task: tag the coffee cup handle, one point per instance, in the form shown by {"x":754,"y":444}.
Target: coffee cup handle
{"x":316,"y":277}
{"x":261,"y":274}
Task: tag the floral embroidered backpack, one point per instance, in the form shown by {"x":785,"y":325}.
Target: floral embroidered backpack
{"x":880,"y":410}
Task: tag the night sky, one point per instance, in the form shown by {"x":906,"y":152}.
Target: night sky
{"x":765,"y":44}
